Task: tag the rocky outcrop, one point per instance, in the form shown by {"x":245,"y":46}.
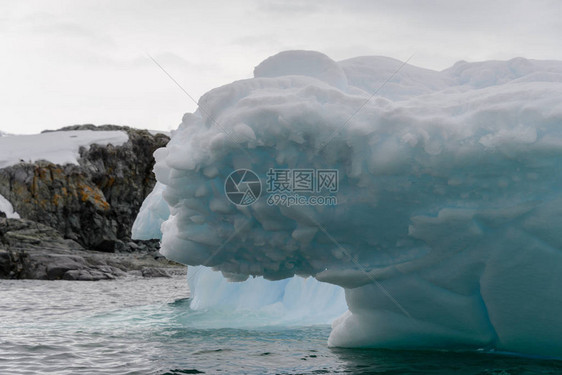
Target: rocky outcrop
{"x":30,"y":250}
{"x":95,"y":203}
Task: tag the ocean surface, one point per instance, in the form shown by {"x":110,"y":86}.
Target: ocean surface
{"x":145,"y":326}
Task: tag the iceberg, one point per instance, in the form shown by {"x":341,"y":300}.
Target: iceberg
{"x":153,"y":212}
{"x":446,"y":229}
{"x":295,"y":301}
{"x":257,"y":302}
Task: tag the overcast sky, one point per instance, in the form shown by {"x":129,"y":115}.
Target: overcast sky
{"x":73,"y":62}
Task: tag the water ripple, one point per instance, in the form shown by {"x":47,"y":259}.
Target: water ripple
{"x":145,"y":326}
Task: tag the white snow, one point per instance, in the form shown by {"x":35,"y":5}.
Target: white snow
{"x":449,"y":198}
{"x":6,"y":207}
{"x":303,"y":63}
{"x":61,"y":147}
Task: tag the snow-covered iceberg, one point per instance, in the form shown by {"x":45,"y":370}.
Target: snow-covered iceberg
{"x":446,"y":232}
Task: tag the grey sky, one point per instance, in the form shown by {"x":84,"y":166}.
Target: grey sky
{"x":68,"y":62}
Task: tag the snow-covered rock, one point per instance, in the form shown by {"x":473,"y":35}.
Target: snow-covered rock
{"x":7,"y":209}
{"x":87,"y":182}
{"x":56,"y":147}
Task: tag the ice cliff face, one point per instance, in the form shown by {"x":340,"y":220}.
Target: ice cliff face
{"x":446,"y":229}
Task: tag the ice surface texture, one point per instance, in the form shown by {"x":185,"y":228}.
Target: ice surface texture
{"x":153,"y":212}
{"x":447,"y":229}
{"x":257,"y":302}
{"x":250,"y":302}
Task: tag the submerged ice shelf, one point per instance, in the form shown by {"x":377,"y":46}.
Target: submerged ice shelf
{"x":446,"y":229}
{"x":255,"y":302}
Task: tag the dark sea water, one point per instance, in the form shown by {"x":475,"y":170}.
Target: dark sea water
{"x":145,"y":326}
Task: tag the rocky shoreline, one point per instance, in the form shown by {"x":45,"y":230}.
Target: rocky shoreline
{"x":76,"y":219}
{"x":31,"y":250}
